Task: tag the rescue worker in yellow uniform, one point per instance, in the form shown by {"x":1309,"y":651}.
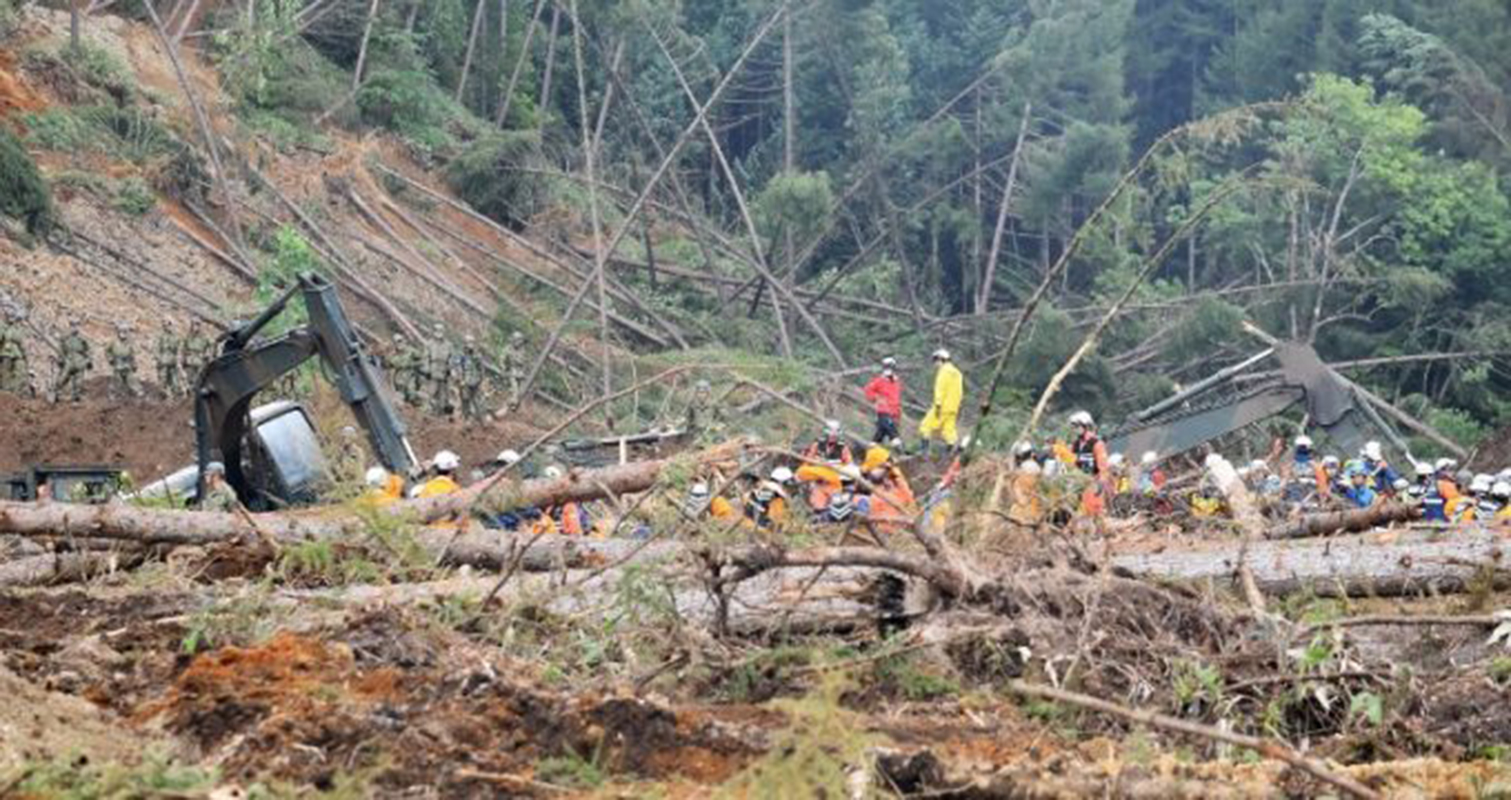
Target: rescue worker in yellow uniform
{"x":383,"y":488}
{"x":949,"y":391}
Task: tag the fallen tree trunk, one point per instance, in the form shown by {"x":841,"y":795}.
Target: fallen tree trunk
{"x":1352,"y":566}
{"x":1349,"y":521}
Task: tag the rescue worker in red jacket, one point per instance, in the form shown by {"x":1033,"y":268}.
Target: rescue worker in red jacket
{"x":1091,"y":459}
{"x":884,"y":393}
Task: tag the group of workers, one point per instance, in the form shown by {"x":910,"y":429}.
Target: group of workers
{"x":177,"y":360}
{"x":445,"y":379}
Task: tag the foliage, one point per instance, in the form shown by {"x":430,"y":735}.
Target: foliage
{"x":134,"y":197}
{"x":158,"y":775}
{"x":813,"y":755}
{"x":487,"y":174}
{"x":571,"y":770}
{"x":23,"y":193}
{"x":128,"y":133}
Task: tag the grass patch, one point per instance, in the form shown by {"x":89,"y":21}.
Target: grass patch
{"x":23,"y":193}
{"x":157,"y":776}
{"x":129,"y":134}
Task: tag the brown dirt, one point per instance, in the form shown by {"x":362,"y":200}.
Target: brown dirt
{"x":15,"y":95}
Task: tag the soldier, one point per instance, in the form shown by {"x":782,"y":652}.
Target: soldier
{"x":469,"y":372}
{"x":74,"y":362}
{"x":196,"y":346}
{"x":703,"y":414}
{"x":511,"y":362}
{"x":438,"y":367}
{"x":408,"y":371}
{"x":350,"y":462}
{"x":121,"y":357}
{"x":13,"y":369}
{"x":168,"y":357}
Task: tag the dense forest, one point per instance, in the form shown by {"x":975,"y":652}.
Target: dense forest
{"x":1329,"y":170}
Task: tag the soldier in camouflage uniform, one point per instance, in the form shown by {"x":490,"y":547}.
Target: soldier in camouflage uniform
{"x":196,"y":346}
{"x":469,"y":373}
{"x":704,"y":418}
{"x":13,"y":368}
{"x":438,"y":369}
{"x":511,"y":362}
{"x":167,"y":357}
{"x":74,"y":363}
{"x":405,"y":370}
{"x":121,"y":357}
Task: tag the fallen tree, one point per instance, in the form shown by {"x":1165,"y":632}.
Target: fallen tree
{"x":1350,"y":521}
{"x":1354,"y":566}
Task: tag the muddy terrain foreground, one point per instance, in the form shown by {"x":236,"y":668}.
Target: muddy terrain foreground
{"x":386,"y":659}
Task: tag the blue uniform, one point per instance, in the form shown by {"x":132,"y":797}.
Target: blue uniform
{"x":1361,"y":496}
{"x":1382,"y":477}
{"x":1434,"y":505}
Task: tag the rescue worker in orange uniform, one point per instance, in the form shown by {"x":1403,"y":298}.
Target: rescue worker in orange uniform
{"x":1091,"y":459}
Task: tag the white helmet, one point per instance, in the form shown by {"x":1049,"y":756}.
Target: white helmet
{"x":849,"y":473}
{"x":376,"y":477}
{"x":832,"y":427}
{"x":941,"y":354}
{"x":446,"y":461}
{"x":1504,"y":475}
{"x":1445,"y":465}
{"x":1401,"y":484}
{"x":700,"y":489}
{"x":1422,"y":469}
{"x":1082,"y":419}
{"x":1258,"y":465}
{"x":1304,"y":441}
{"x":215,"y":468}
{"x":1149,"y":457}
{"x":508,"y":457}
{"x":1023,"y":449}
{"x":1115,"y":460}
{"x":782,"y":475}
{"x":889,"y":363}
{"x":1331,"y":461}
{"x":1481,"y":484}
{"x":1502,"y":490}
{"x":1372,"y":451}
{"x":553,"y":472}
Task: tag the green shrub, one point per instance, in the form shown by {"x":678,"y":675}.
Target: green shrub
{"x":486,"y":175}
{"x":99,"y":68}
{"x":126,"y":133}
{"x":133,"y":196}
{"x":23,"y":193}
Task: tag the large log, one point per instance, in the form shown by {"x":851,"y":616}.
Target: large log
{"x":1350,"y":521}
{"x":1394,"y":564}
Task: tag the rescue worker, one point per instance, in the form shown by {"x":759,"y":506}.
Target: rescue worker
{"x":383,"y":488}
{"x":13,"y":367}
{"x":438,"y":371}
{"x":121,"y":357}
{"x":219,"y":496}
{"x":403,"y":370}
{"x":830,"y":447}
{"x":1361,"y":491}
{"x":1490,"y":505}
{"x":1381,"y":476}
{"x":847,"y":504}
{"x":1263,"y":482}
{"x":785,"y":478}
{"x":1091,"y":459}
{"x":1117,"y":473}
{"x":1330,"y":482}
{"x":1468,"y":506}
{"x":1025,"y":507}
{"x":1207,"y":501}
{"x":443,"y":482}
{"x":469,"y":372}
{"x":1502,"y":493}
{"x":884,"y":393}
{"x":198,"y":350}
{"x":1150,"y":484}
{"x":1307,"y":479}
{"x":511,"y":362}
{"x":1417,"y":492}
{"x":569,"y":518}
{"x":703,"y":419}
{"x":949,"y":391}
{"x":167,"y":357}
{"x":766,"y":505}
{"x":74,"y":363}
{"x":701,"y":502}
{"x":349,"y":458}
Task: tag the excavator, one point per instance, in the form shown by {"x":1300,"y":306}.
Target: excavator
{"x":272,"y":455}
{"x":1208,"y":410}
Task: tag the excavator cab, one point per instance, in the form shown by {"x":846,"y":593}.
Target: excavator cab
{"x":286,"y":465}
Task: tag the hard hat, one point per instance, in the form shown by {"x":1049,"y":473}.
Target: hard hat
{"x":782,"y":475}
{"x":1259,"y":465}
{"x":1445,"y":465}
{"x":1023,"y":449}
{"x":1372,"y":451}
{"x":376,"y":477}
{"x":469,"y":339}
{"x":1504,"y":475}
{"x":700,"y":489}
{"x":703,"y":385}
{"x":1304,"y":441}
{"x":766,"y":491}
{"x":1149,"y":457}
{"x":1501,"y":489}
{"x":508,"y":457}
{"x":446,"y":461}
{"x":1422,"y":469}
{"x":438,"y":326}
{"x":1115,"y":460}
{"x":1330,"y":461}
{"x":965,"y":442}
{"x":1401,"y":484}
{"x":215,"y":468}
{"x":849,"y":473}
{"x":348,"y":431}
{"x":831,"y":427}
{"x":1082,"y":419}
{"x":553,"y":472}
{"x":941,"y":354}
{"x":1481,"y":484}
{"x":889,"y":363}
{"x":398,"y":337}
{"x":517,"y":335}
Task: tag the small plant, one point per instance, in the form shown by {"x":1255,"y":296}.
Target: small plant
{"x":1500,"y":670}
{"x":1368,"y":705}
{"x":133,"y":196}
{"x":1197,"y":685}
{"x":156,"y":776}
{"x":902,"y":675}
{"x":23,"y":193}
{"x":571,"y":771}
{"x":98,"y":67}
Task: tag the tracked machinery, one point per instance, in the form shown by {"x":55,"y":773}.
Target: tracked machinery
{"x":271,"y":452}
{"x":1216,"y":406}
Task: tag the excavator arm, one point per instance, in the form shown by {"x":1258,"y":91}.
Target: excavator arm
{"x":227,"y":385}
{"x":1171,"y":427}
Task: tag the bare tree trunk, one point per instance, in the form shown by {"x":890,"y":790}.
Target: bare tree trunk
{"x":590,"y":165}
{"x":477,"y":27}
{"x":367,"y":31}
{"x":503,"y":43}
{"x":608,"y":97}
{"x":989,"y":274}
{"x":519,"y":64}
{"x":75,"y":45}
{"x":545,"y":83}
